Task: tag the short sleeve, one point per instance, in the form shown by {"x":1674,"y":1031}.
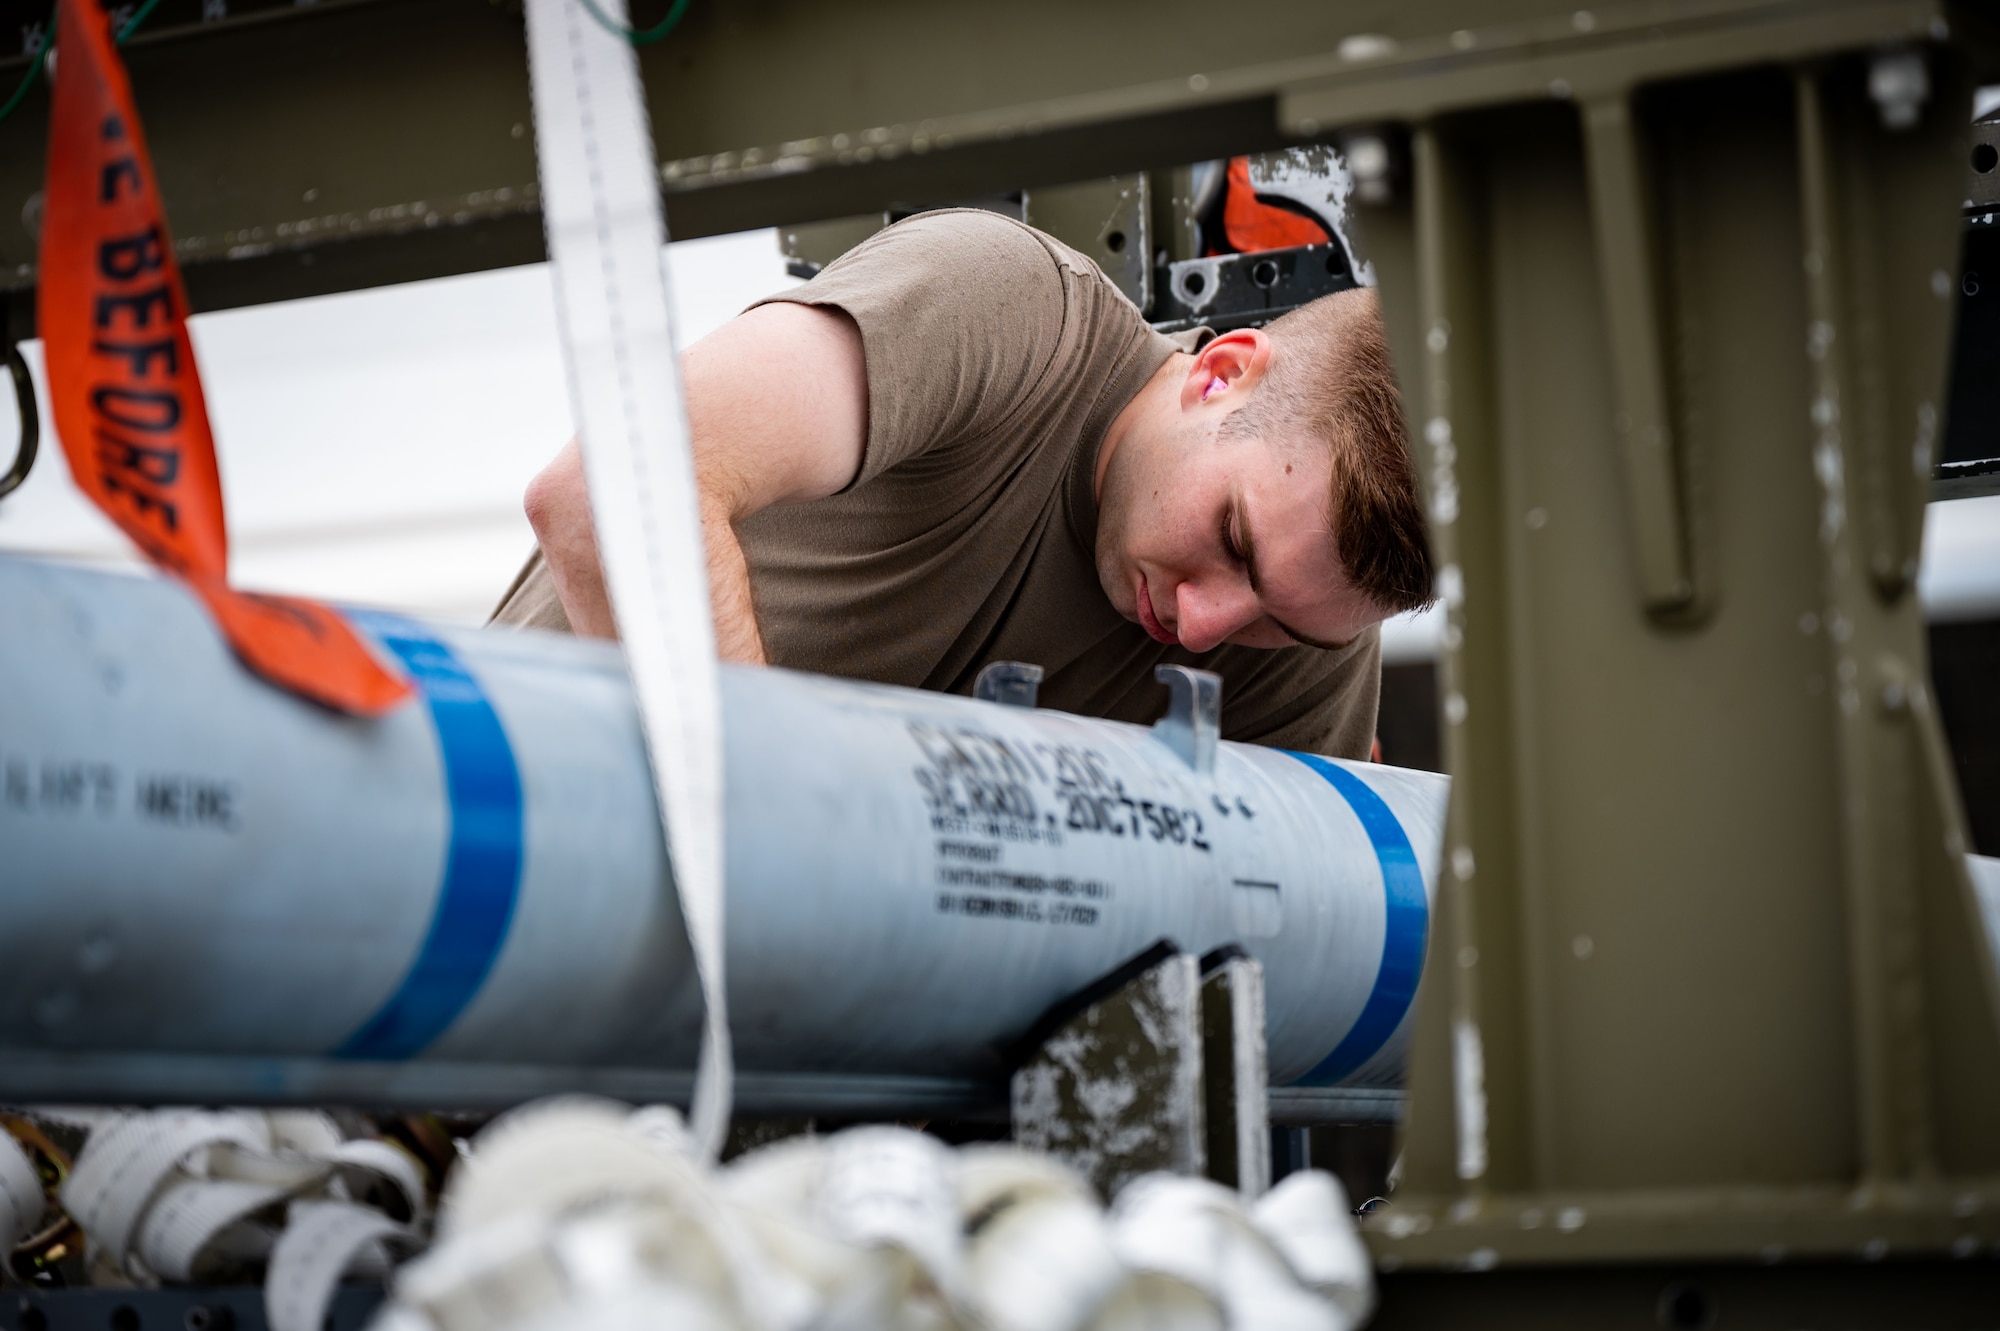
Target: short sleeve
{"x":961,"y":314}
{"x":531,"y":602}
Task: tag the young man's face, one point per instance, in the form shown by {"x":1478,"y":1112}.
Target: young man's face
{"x":1203,"y":540}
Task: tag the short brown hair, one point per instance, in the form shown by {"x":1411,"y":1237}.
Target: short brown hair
{"x":1330,"y":379}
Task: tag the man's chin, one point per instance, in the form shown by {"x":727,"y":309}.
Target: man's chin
{"x":1111,"y":581}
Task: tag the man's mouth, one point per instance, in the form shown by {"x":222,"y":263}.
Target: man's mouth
{"x":1147,"y":621}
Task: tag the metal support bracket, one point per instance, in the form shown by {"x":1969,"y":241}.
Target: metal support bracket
{"x":1009,"y":683}
{"x":1234,"y":1071}
{"x":1193,"y":723}
{"x":1159,"y":1065}
{"x":1112,"y":1080}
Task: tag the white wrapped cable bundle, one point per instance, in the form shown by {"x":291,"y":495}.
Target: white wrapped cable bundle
{"x":21,"y":1201}
{"x":1292,"y":1260}
{"x":183,"y":1195}
{"x":577,"y":1213}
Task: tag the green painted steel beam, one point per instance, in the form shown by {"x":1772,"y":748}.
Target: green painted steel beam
{"x":354,"y":142}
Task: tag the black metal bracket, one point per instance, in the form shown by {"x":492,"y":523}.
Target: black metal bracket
{"x":1229,"y":291}
{"x":31,"y":424}
{"x":183,"y":1308}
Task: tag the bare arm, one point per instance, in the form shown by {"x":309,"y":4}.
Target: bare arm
{"x":777,"y":403}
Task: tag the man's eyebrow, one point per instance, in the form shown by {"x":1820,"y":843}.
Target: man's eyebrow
{"x":1249,"y":546}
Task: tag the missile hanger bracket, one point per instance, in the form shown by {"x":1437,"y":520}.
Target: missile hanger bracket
{"x":1192,"y":726}
{"x":1009,"y":683}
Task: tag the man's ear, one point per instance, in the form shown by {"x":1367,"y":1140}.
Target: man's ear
{"x":1227,"y":367}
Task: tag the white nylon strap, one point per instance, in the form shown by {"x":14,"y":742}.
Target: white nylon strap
{"x":502,"y":1274}
{"x":306,"y":1132}
{"x":1172,"y":1226}
{"x":1198,"y":1232}
{"x":321,"y":1240}
{"x":546,"y":1158}
{"x":601,"y":204}
{"x":390,"y":1162}
{"x":288,"y":1173}
{"x":189,"y":1216}
{"x":898,"y":1188}
{"x":1307,"y":1221}
{"x":123,"y":1165}
{"x":1042,"y":1263}
{"x":20,"y":1193}
{"x":554,"y":1171}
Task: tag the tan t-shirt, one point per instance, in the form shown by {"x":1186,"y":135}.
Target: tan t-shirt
{"x":997,"y":358}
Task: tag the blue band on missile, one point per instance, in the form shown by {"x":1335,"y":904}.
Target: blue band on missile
{"x":482,"y":868}
{"x":1403,"y":934}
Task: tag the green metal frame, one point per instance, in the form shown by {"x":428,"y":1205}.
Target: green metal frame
{"x":355,"y":142}
{"x":1670,"y":307}
{"x":1709,"y":978}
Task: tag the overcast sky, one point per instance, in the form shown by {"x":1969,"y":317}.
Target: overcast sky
{"x":374,"y":445}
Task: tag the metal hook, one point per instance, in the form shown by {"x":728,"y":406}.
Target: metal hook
{"x":31,"y":424}
{"x":1193,"y":723}
{"x":1010,"y":683}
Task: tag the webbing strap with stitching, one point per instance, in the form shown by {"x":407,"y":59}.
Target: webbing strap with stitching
{"x":139,"y":1193}
{"x":389,"y":1162}
{"x":20,"y":1192}
{"x":189,"y":1216}
{"x":117,"y":1175}
{"x":600,"y":195}
{"x":319,"y":1243}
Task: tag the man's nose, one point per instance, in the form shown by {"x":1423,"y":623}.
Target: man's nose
{"x":1206,"y":616}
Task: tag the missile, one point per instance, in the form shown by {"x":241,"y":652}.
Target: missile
{"x":202,"y":872}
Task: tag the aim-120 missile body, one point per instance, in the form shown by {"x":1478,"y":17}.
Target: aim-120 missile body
{"x":199,"y":866}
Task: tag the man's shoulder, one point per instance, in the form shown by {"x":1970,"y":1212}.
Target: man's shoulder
{"x":976,"y":241}
{"x":961,"y":226}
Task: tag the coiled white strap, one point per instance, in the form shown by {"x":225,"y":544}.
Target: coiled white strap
{"x":321,"y":1240}
{"x":892,"y":1188}
{"x":1039,"y":1256}
{"x":569,"y":1214}
{"x":20,"y":1193}
{"x":187,"y":1218}
{"x":601,"y":204}
{"x":181,"y":1194}
{"x":124,"y":1164}
{"x":1307,"y":1220}
{"x":387,"y":1162}
{"x":1197,"y":1232}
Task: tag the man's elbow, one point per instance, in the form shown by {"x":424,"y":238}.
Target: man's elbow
{"x":558,"y":504}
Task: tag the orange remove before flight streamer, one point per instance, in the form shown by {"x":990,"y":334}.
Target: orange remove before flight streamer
{"x":124,"y":390}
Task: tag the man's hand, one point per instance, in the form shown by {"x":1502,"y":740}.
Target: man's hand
{"x":558,"y":506}
{"x":777,"y":402}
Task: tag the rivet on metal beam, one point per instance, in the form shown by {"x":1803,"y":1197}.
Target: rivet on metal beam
{"x":1900,"y":84}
